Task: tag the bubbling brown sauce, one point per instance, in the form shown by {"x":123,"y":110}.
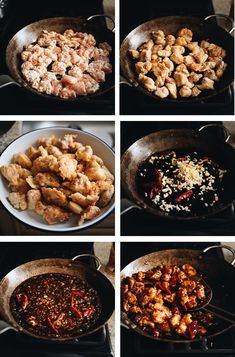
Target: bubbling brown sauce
{"x":55,"y":305}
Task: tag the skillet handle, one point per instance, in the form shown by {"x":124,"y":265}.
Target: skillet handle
{"x":127,"y":205}
{"x":226,"y":131}
{"x":224,"y":17}
{"x":97,"y":261}
{"x":6,"y":80}
{"x":103,"y":15}
{"x":4,"y":327}
{"x":225,"y":247}
{"x":124,"y":81}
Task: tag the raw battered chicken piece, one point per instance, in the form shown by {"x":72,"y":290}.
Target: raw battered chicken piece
{"x":18,"y":200}
{"x":54,"y":214}
{"x":89,"y":213}
{"x":54,"y":196}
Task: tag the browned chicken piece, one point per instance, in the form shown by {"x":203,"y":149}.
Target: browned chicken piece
{"x":40,"y":208}
{"x":84,"y":201}
{"x":161,"y":314}
{"x":200,"y":291}
{"x":170,"y":40}
{"x":132,"y":299}
{"x":166,"y":277}
{"x":11,"y":172}
{"x":181,"y":275}
{"x":143,"y":67}
{"x":159,"y":37}
{"x":189,"y":270}
{"x":45,"y":164}
{"x":47,"y":179}
{"x":170,"y":298}
{"x":46,"y":141}
{"x":54,"y":196}
{"x":183,"y":295}
{"x":31,"y":182}
{"x":134,"y":54}
{"x":33,"y":196}
{"x":135,"y":310}
{"x":95,"y":173}
{"x":54,"y":214}
{"x":165,"y":327}
{"x":23,"y":160}
{"x":89,"y":213}
{"x":54,"y":150}
{"x":175,"y":320}
{"x":157,"y":275}
{"x":81,"y":184}
{"x":21,"y":186}
{"x":106,"y":196}
{"x":67,"y":167}
{"x":18,"y":200}
{"x":185,"y":33}
{"x":145,"y":322}
{"x":201,"y":331}
{"x":32,"y":153}
{"x":190,"y":285}
{"x":140,"y":276}
{"x":192,"y":302}
{"x":84,"y":154}
{"x":75,"y":208}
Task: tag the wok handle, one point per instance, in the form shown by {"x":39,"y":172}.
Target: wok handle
{"x":222,"y":246}
{"x":124,"y":81}
{"x":6,"y":80}
{"x":97,"y":260}
{"x":222,"y":16}
{"x":4,"y":326}
{"x":103,"y":15}
{"x":127,"y":205}
{"x":226,"y":131}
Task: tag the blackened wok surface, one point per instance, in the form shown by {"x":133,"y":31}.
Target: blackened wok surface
{"x":218,"y":273}
{"x":174,"y":139}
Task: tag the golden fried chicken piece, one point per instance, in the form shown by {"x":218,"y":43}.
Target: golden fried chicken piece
{"x":32,"y":153}
{"x":185,"y":33}
{"x":195,"y":91}
{"x":206,"y":84}
{"x":47,"y":179}
{"x":159,"y":37}
{"x":18,"y":200}
{"x":143,"y":67}
{"x":162,"y":92}
{"x":54,"y":214}
{"x":170,"y":40}
{"x":185,"y":91}
{"x":30,"y":181}
{"x":84,"y":201}
{"x":106,"y":196}
{"x":89,"y":213}
{"x":23,"y":160}
{"x":147,"y":82}
{"x":75,"y":208}
{"x":47,"y":141}
{"x":134,"y":54}
{"x":80,"y":184}
{"x":54,"y":196}
{"x":45,"y":164}
{"x":95,"y":173}
{"x":20,"y":186}
{"x":67,"y":167}
{"x":33,"y":196}
{"x":13,"y":172}
{"x":84,"y":154}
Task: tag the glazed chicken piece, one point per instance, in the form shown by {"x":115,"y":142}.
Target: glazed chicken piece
{"x":18,"y":200}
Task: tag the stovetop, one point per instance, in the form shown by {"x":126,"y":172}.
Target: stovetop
{"x":16,"y":14}
{"x":139,"y":346}
{"x":135,"y":103}
{"x":138,"y":222}
{"x":14,"y":344}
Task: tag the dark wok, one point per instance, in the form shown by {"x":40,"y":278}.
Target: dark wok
{"x":170,"y":25}
{"x":56,"y":265}
{"x":186,"y":139}
{"x":218,"y":273}
{"x":30,"y":33}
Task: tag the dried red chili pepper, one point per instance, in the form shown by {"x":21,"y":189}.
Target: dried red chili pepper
{"x":60,"y":317}
{"x":173,"y":281}
{"x":164,"y":288}
{"x":52,"y":325}
{"x":76,"y":312}
{"x":182,"y":158}
{"x":89,"y":311}
{"x":183,"y":196}
{"x":80,"y":294}
{"x":193,"y":329}
{"x":175,"y":310}
{"x":23,"y":300}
